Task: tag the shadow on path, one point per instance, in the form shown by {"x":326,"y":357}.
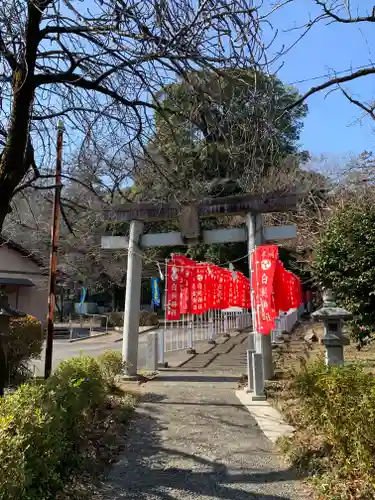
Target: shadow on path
{"x":178,"y":377}
{"x":154,"y":467}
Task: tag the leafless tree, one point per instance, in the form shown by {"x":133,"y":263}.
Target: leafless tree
{"x":99,"y":64}
{"x":346,"y":13}
{"x":81,"y":261}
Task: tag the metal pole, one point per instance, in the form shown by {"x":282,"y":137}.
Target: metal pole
{"x":165,"y":305}
{"x":55,"y":230}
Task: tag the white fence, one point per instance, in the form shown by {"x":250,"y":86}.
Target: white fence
{"x":87,"y":325}
{"x":286,"y":322}
{"x":184,"y":334}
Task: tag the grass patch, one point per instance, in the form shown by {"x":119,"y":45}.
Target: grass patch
{"x":333,"y":411}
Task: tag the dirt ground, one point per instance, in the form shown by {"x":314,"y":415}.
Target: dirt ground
{"x":290,"y":355}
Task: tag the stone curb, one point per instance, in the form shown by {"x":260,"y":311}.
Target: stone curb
{"x":151,"y":329}
{"x":266,"y":416}
{"x":90,"y":337}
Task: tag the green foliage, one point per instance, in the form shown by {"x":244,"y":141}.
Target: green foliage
{"x":25,"y":343}
{"x":146,"y":318}
{"x":230,"y":125}
{"x":233,"y":125}
{"x":345,"y":259}
{"x":78,"y":386}
{"x":42,"y":427}
{"x":111,"y":366}
{"x":216,"y":112}
{"x":338,"y":403}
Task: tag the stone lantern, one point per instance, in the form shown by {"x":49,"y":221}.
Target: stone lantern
{"x":6,"y":313}
{"x":333,"y":318}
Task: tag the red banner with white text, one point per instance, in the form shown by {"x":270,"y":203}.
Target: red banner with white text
{"x":264,"y":263}
{"x":172,"y":305}
{"x":195,"y":288}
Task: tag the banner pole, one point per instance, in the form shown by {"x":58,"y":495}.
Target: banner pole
{"x":165,"y":301}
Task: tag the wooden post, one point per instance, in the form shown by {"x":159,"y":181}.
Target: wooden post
{"x":55,"y":231}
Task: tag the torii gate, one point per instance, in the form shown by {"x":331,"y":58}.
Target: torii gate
{"x":251,"y":207}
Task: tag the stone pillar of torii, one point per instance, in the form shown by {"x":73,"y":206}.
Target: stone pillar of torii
{"x":251,"y":207}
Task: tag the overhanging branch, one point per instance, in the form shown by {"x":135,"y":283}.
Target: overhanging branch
{"x":79,"y":82}
{"x":346,"y":20}
{"x":331,"y":82}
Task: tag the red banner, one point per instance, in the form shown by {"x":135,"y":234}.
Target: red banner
{"x":198,"y":289}
{"x":173,"y":291}
{"x":212,"y":286}
{"x":243,"y":292}
{"x":264,"y":263}
{"x":185,"y":267}
{"x":281,"y":288}
{"x":220,"y":297}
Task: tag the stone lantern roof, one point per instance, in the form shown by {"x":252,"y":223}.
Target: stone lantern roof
{"x":330,"y":311}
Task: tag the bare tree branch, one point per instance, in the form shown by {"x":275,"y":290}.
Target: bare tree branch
{"x":338,"y":12}
{"x":332,"y":82}
{"x":100,"y":64}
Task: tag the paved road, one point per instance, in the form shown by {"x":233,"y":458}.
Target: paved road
{"x":63,"y":349}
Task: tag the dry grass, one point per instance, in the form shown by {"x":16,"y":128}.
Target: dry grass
{"x":307,"y":450}
{"x":103,"y":445}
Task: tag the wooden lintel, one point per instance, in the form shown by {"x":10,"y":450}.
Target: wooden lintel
{"x":277,"y":201}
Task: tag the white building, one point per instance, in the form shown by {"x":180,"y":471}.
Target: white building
{"x":24,"y":279}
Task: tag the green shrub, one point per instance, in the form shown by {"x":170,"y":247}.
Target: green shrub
{"x":113,"y":319}
{"x":111,"y":366}
{"x":345,"y":259}
{"x":25,"y":343}
{"x":41,"y":427}
{"x":30,"y":430}
{"x":339,"y":403}
{"x":79,"y":389}
{"x":148,"y":318}
{"x":116,"y":319}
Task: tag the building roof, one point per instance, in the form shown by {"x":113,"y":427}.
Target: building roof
{"x":16,"y":282}
{"x":22,"y":250}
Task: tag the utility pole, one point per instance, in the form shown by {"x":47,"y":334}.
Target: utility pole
{"x":55,"y":231}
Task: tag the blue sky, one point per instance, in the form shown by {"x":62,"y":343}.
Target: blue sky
{"x":332,"y":126}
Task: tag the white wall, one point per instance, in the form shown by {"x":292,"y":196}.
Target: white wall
{"x":31,"y":300}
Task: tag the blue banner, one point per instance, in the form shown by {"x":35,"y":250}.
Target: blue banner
{"x":83,"y":297}
{"x":155,"y":292}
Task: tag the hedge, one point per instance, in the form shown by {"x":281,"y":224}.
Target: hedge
{"x":25,"y":343}
{"x":43,"y":424}
{"x":335,"y":420}
{"x":146,"y":318}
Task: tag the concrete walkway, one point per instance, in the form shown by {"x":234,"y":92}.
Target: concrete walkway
{"x":191,"y":439}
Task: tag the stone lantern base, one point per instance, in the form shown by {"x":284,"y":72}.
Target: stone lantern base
{"x":334,"y":355}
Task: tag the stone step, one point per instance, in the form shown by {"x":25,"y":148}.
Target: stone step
{"x":61,"y":333}
{"x":201,"y":360}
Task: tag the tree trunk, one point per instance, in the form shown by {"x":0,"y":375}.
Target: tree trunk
{"x":13,"y":165}
{"x":4,"y":207}
{"x":14,"y":160}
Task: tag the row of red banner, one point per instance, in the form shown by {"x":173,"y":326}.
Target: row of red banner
{"x":195,"y":288}
{"x":275,"y":288}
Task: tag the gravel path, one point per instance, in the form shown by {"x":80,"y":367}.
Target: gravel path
{"x":190,"y":439}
